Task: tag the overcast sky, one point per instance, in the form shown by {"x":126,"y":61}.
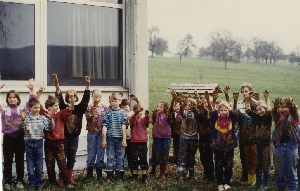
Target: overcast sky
{"x":271,"y":20}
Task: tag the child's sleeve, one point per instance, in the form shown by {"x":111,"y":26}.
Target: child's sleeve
{"x":84,"y":101}
{"x":62,"y":104}
{"x":132,"y":121}
{"x":63,"y":115}
{"x":154,"y":114}
{"x":104,"y":121}
{"x":48,"y":123}
{"x":89,"y":114}
{"x":124,"y":120}
{"x":147,"y":121}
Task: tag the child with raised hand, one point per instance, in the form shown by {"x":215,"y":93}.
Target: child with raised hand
{"x":176,"y":122}
{"x":263,"y":120}
{"x":206,"y":152}
{"x":33,"y":125}
{"x":114,"y":137}
{"x":94,"y":115}
{"x":13,"y":139}
{"x":188,"y":139}
{"x":286,"y":139}
{"x":73,"y":124}
{"x":125,"y":104}
{"x":138,"y":142}
{"x":161,"y":134}
{"x":54,"y":140}
{"x":224,"y":140}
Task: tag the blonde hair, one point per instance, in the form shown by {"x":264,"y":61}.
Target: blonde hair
{"x":261,"y":103}
{"x":96,"y":91}
{"x":224,"y":103}
{"x":116,"y":96}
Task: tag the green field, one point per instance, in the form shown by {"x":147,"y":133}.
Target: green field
{"x":281,"y":79}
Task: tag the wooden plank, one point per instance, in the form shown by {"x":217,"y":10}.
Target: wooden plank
{"x":189,"y":88}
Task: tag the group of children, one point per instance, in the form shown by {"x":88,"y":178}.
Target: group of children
{"x":192,"y":122}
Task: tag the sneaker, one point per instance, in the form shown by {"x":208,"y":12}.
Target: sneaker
{"x":6,"y":187}
{"x":221,"y":187}
{"x":20,"y":185}
{"x":226,"y":187}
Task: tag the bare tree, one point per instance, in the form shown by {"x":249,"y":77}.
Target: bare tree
{"x":256,"y":48}
{"x":237,"y":50}
{"x":152,"y":38}
{"x":186,"y":46}
{"x":247,"y":52}
{"x":161,"y":46}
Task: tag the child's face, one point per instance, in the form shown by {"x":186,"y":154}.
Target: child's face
{"x":115,"y":103}
{"x":141,"y":112}
{"x":35,"y":109}
{"x":260,"y":110}
{"x":223,"y":111}
{"x":204,"y":102}
{"x":177,"y":107}
{"x":285,"y":110}
{"x":246,"y":93}
{"x":96,"y":98}
{"x":12,"y":99}
{"x":188,"y":106}
{"x":54,"y":108}
{"x":126,"y":108}
{"x":160,"y":108}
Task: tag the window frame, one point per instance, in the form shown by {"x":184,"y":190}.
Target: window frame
{"x":40,"y":42}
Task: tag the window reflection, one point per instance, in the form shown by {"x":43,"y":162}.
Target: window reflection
{"x":16,"y":41}
{"x":84,"y":40}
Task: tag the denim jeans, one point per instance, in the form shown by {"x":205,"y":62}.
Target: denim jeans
{"x":187,"y":151}
{"x":115,"y":154}
{"x":160,"y":151}
{"x":285,"y":162}
{"x":34,"y":159}
{"x":71,"y":146}
{"x":94,"y":147}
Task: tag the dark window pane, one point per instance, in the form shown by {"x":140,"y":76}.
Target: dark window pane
{"x":84,"y":40}
{"x":16,"y":41}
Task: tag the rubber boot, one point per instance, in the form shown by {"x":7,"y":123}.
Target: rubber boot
{"x":191,"y":173}
{"x":109,"y":176}
{"x":153,"y":173}
{"x":253,"y":179}
{"x":258,"y":184}
{"x":70,"y":172}
{"x":249,"y":178}
{"x":144,"y":176}
{"x":60,"y":180}
{"x":180,"y":174}
{"x":134,"y":176}
{"x":266,"y":184}
{"x":121,"y":175}
{"x":89,"y":173}
{"x":99,"y":173}
{"x":163,"y":172}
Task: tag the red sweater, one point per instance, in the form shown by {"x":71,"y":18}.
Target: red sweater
{"x":139,"y":125}
{"x":60,"y":118}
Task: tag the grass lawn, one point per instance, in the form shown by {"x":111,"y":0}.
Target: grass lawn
{"x":281,"y":80}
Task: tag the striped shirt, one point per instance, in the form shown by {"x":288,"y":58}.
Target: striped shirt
{"x":34,"y":126}
{"x":113,"y":120}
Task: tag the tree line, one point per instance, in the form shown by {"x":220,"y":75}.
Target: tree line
{"x":224,"y":47}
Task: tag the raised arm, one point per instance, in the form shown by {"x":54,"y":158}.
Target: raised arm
{"x":266,"y":95}
{"x":235,"y":98}
{"x":209,"y":106}
{"x":276,"y":109}
{"x":1,"y":86}
{"x":88,"y":82}
{"x":226,"y":89}
{"x":41,"y":89}
{"x":133,"y":97}
{"x":30,"y":86}
{"x":55,"y":80}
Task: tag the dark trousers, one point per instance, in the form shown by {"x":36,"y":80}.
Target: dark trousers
{"x":224,"y":166}
{"x":176,"y":138}
{"x":138,"y":151}
{"x":54,"y":150}
{"x":263,"y":162}
{"x":127,"y":153}
{"x":13,"y":146}
{"x":71,"y":146}
{"x":187,"y":151}
{"x":243,"y":160}
{"x":207,"y":159}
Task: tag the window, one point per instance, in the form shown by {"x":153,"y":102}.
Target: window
{"x":72,"y":38}
{"x":17,"y":47}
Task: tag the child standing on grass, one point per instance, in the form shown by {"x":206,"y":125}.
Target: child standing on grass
{"x":161,"y":134}
{"x":73,"y":125}
{"x":224,"y":140}
{"x":94,"y":115}
{"x":125,"y":104}
{"x":138,"y":142}
{"x":13,"y":139}
{"x":263,"y":120}
{"x":206,"y":152}
{"x":188,"y":139}
{"x":33,"y":125}
{"x":54,"y":140}
{"x":286,"y":138}
{"x":114,"y":137}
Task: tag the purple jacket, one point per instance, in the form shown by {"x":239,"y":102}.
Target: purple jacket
{"x":161,"y":127}
{"x":11,"y":118}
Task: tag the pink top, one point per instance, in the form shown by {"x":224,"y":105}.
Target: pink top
{"x":161,"y":127}
{"x":139,"y":125}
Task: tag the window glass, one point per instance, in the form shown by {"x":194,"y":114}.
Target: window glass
{"x":17,"y":46}
{"x":84,"y":40}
